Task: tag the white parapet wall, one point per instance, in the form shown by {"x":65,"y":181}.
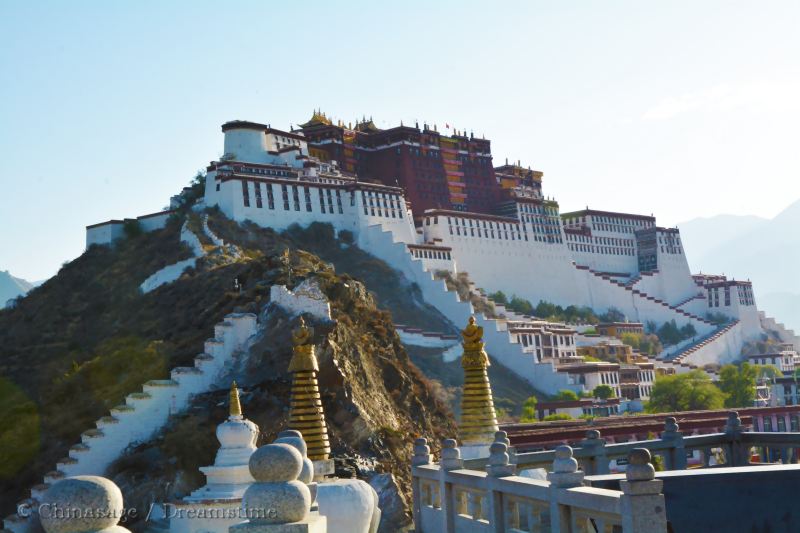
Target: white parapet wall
{"x":726,"y":347}
{"x":105,"y":233}
{"x":498,"y":342}
{"x":425,"y":339}
{"x":305,"y":298}
{"x":144,"y":413}
{"x":170,"y":273}
{"x":784,"y":334}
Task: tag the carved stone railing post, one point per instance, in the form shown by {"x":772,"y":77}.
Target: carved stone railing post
{"x":497,"y":467}
{"x":422,"y":456}
{"x":451,"y":460}
{"x":739,"y":453}
{"x":643,"y":508}
{"x":675,"y":457}
{"x":565,"y":475}
{"x":502,"y":436}
{"x":451,"y":456}
{"x":597,"y":461}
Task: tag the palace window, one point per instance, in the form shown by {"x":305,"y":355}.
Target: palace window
{"x":258,"y":194}
{"x":285,"y":192}
{"x":330,"y":200}
{"x":245,"y":194}
{"x":270,"y":198}
{"x":296,"y":198}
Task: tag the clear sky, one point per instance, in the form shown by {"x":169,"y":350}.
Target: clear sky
{"x":679,"y":108}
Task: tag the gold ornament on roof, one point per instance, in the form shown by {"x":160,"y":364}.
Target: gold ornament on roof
{"x":235,"y":404}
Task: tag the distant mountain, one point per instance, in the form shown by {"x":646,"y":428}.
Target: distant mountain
{"x":11,"y":287}
{"x":764,"y":251}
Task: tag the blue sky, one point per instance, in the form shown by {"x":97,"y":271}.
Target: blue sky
{"x":681,"y":109}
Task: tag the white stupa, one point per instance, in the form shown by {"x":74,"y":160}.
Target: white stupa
{"x":215,"y":507}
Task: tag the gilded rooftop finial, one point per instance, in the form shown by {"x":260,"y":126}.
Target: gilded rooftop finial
{"x":235,"y":405}
{"x":305,"y":411}
{"x":478,"y":421}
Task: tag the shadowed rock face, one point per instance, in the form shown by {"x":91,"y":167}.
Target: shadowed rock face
{"x":376,"y":401}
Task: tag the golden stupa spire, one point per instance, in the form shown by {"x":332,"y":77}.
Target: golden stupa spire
{"x":478,"y":422}
{"x":305,"y":411}
{"x":235,"y":405}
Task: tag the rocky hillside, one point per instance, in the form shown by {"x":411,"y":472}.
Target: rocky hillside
{"x":86,"y":338}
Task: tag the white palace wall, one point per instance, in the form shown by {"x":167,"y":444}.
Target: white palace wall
{"x":352,"y":210}
{"x":498,"y":342}
{"x":107,"y":232}
{"x":672,"y":283}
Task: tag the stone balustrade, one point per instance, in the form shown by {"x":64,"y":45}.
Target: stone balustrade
{"x":594,"y":454}
{"x":449,"y":498}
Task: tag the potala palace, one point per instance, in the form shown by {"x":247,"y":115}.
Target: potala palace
{"x":437,"y":209}
{"x":428,"y":203}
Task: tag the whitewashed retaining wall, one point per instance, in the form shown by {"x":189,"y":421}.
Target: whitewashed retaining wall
{"x":144,"y":413}
{"x":784,"y":334}
{"x":725,"y":349}
{"x":425,"y":339}
{"x":306,"y":298}
{"x":498,"y":342}
{"x":108,"y":232}
{"x":170,"y":273}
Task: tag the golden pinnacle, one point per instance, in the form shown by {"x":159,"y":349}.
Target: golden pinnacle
{"x":478,"y":421}
{"x":235,"y":405}
{"x":305,"y":409}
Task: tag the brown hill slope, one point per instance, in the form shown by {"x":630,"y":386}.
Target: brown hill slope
{"x":77,"y":345}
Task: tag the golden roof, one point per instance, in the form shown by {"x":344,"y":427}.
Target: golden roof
{"x":317,"y":119}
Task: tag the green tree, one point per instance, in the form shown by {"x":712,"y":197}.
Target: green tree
{"x":557,"y":416}
{"x":739,"y":383}
{"x":633,"y":340}
{"x":604,"y":392}
{"x":769,"y":371}
{"x":691,"y":391}
{"x":565,"y":395}
{"x":529,"y":410}
{"x":612,"y":315}
{"x":132,"y":228}
{"x":499,"y":297}
{"x":520,"y":305}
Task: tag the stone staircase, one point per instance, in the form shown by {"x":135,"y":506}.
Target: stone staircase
{"x":172,"y":272}
{"x":499,"y":341}
{"x":638,"y":277}
{"x":144,"y":413}
{"x":785,"y":334}
{"x":679,"y":313}
{"x":689,"y":299}
{"x":684,"y":354}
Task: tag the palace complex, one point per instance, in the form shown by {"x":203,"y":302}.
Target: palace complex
{"x":430,"y":203}
{"x":437,"y":209}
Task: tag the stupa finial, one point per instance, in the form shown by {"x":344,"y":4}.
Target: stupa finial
{"x":235,"y":404}
{"x":478,"y":422}
{"x":305,"y":411}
